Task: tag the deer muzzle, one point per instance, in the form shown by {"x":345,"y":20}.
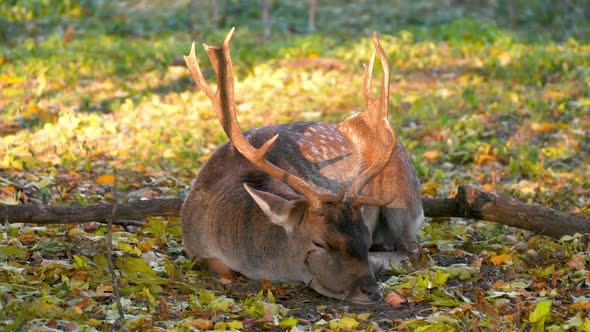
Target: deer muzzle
{"x":365,"y":291}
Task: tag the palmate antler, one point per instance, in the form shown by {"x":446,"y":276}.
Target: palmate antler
{"x":376,"y":109}
{"x":223,"y":102}
{"x":370,"y":129}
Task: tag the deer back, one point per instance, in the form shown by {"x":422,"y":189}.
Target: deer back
{"x":266,"y":229}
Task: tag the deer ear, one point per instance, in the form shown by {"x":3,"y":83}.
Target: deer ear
{"x":276,"y":208}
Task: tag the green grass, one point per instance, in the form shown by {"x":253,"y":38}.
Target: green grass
{"x":474,"y":102}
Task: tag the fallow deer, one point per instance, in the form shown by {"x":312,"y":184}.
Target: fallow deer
{"x":304,"y":201}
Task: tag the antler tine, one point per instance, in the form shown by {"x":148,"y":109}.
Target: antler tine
{"x":368,"y":81}
{"x":375,"y":113}
{"x":224,"y":105}
{"x":224,"y":102}
{"x":195,"y":70}
{"x":354,"y":192}
{"x":384,"y":96}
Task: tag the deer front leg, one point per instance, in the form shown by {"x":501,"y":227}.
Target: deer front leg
{"x":400,"y":229}
{"x":371,"y":217}
{"x":394,"y":235}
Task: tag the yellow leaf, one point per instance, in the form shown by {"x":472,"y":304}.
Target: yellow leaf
{"x":497,"y":52}
{"x":104,"y":288}
{"x":364,"y":316}
{"x":95,"y":321}
{"x":7,"y":196}
{"x":576,"y":147}
{"x":579,"y":306}
{"x":410,"y":99}
{"x":431,"y":155}
{"x":541,"y":312}
{"x":11,"y":79}
{"x":543,"y":126}
{"x":500,"y":259}
{"x":199,"y":323}
{"x":34,"y":109}
{"x":235,"y":325}
{"x":481,"y":159}
{"x":105,"y":179}
{"x":344,"y":323}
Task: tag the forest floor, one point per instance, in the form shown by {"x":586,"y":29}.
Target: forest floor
{"x":97,"y":94}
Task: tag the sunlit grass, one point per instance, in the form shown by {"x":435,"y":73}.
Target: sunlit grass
{"x":130,"y":101}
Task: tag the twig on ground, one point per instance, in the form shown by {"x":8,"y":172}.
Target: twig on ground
{"x":116,"y":293}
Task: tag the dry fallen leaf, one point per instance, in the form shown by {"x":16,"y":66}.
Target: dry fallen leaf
{"x":500,"y":259}
{"x":105,"y":179}
{"x":431,"y":155}
{"x":266,"y":284}
{"x":69,"y":35}
{"x":578,"y":261}
{"x":542,"y":127}
{"x":199,"y":323}
{"x":394,"y":300}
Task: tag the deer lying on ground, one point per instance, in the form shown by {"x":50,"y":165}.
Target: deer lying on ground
{"x":303,"y":202}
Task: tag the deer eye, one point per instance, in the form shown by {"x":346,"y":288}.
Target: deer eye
{"x":317,"y":244}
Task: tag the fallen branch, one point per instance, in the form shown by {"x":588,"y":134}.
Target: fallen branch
{"x":469,"y":203}
{"x":476,"y":204}
{"x":125,"y":214}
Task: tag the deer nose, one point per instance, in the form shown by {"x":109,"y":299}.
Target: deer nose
{"x":370,"y":288}
{"x":373,"y":293}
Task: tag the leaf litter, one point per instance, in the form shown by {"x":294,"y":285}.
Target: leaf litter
{"x":473,"y":103}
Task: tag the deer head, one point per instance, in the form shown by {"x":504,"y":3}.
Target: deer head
{"x":327,"y":241}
